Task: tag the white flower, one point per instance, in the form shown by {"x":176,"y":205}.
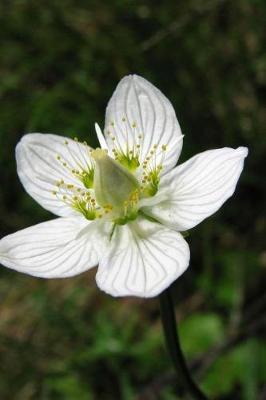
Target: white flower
{"x":120,"y":207}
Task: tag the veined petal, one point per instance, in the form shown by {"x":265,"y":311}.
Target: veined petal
{"x":55,"y":249}
{"x":44,"y":160}
{"x":198,"y":187}
{"x":139,"y":117}
{"x":143,"y":259}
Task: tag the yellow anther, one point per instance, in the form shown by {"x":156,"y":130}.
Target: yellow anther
{"x":164,"y":147}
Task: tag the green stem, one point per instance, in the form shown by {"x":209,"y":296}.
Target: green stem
{"x":174,"y":348}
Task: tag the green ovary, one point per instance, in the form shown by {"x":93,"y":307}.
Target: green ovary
{"x":115,"y":186}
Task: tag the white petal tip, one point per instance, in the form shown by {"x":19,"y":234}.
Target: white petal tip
{"x":23,"y":141}
{"x":100,"y":136}
{"x":97,"y":127}
{"x":243,"y":151}
{"x":28,"y":137}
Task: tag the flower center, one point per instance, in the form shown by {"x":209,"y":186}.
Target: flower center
{"x":115,"y":187}
{"x":97,"y":185}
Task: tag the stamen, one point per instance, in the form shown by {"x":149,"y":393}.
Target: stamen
{"x":81,"y":201}
{"x":152,"y":168}
{"x":129,"y":155}
{"x":81,"y":159}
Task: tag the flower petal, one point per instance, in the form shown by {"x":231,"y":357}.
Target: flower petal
{"x":143,"y":259}
{"x":39,"y":168}
{"x":139,"y":108}
{"x":100,"y":137}
{"x":55,"y":249}
{"x":198,"y":188}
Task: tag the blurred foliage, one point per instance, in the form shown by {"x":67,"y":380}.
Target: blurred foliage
{"x":60,"y":62}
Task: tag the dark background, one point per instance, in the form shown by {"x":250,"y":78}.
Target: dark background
{"x":59,"y":64}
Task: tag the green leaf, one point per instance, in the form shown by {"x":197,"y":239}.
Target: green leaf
{"x":200,"y":331}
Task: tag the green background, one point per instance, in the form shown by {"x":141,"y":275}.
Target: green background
{"x":60,"y":62}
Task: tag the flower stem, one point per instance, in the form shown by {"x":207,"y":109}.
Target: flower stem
{"x":174,"y":348}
